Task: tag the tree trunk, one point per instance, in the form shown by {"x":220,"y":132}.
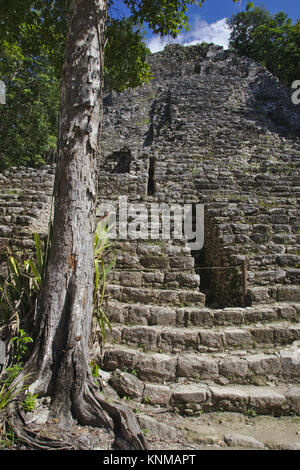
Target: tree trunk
{"x":60,"y":360}
{"x":65,"y":309}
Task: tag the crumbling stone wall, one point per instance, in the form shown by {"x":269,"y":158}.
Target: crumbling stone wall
{"x":25,"y":206}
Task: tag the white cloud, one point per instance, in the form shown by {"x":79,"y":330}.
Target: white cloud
{"x":201,"y":31}
{"x":157,"y":43}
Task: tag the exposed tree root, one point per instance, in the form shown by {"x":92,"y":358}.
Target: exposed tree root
{"x":88,"y":409}
{"x":28,"y":435}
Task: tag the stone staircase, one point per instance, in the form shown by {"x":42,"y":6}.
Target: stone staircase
{"x":167,"y":348}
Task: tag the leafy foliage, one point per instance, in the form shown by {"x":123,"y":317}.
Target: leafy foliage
{"x":28,"y":123}
{"x":8,"y":439}
{"x":9,"y":393}
{"x":29,"y":402}
{"x":271,"y":40}
{"x":125,"y":56}
{"x":18,"y":290}
{"x":21,"y":341}
{"x":16,"y":293}
{"x":165,"y":17}
{"x":10,"y":388}
{"x":95,"y":372}
{"x":10,"y":373}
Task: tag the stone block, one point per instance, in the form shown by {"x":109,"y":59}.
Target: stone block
{"x":157,"y":429}
{"x":233,"y":368}
{"x":228,"y":316}
{"x":229,"y":398}
{"x":162,"y":316}
{"x":149,"y":250}
{"x":262,"y":364}
{"x":138,"y":314}
{"x":197,"y":367}
{"x":168,"y":297}
{"x":191,"y":297}
{"x":246,"y":442}
{"x":120,"y":359}
{"x":211,"y":338}
{"x":235,"y":337}
{"x":144,"y":337}
{"x":259,"y":295}
{"x":288,"y":260}
{"x":126,"y":384}
{"x":155,"y":262}
{"x":182,"y":262}
{"x":266,"y":401}
{"x":131,"y":279}
{"x":157,"y":368}
{"x":157,"y":394}
{"x":290,"y":364}
{"x":262,"y":335}
{"x":293,"y":398}
{"x":287,"y":312}
{"x":255,"y":314}
{"x":288,"y":293}
{"x":144,"y":296}
{"x":192,"y":393}
{"x":154,"y":278}
{"x":199,"y":317}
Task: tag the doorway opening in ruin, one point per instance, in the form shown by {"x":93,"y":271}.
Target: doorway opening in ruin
{"x":197,"y":68}
{"x":223,"y":284}
{"x":202,"y":264}
{"x":118,"y":162}
{"x":151,"y":182}
{"x":207,"y":286}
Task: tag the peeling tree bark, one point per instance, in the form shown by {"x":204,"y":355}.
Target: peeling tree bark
{"x":60,"y":360}
{"x":65,"y":308}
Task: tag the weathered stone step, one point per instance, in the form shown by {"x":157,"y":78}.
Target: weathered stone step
{"x":5,"y":231}
{"x":249,"y":203}
{"x":158,"y":256}
{"x":155,"y":296}
{"x":256,"y":254}
{"x":9,"y":204}
{"x":14,"y":216}
{"x":288,"y":260}
{"x":14,"y":198}
{"x":18,"y":244}
{"x":191,"y":398}
{"x":250,"y":400}
{"x":255,"y":216}
{"x":149,"y":314}
{"x":258,"y":257}
{"x":163,"y":262}
{"x":252,"y":234}
{"x":287,"y":293}
{"x":287,"y":276}
{"x":156,"y":279}
{"x":152,"y":247}
{"x":240,"y":368}
{"x":174,"y":340}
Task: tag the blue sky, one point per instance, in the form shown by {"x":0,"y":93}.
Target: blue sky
{"x":208,"y":23}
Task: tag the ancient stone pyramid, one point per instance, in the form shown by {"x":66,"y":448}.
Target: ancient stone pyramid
{"x":209,"y":329}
